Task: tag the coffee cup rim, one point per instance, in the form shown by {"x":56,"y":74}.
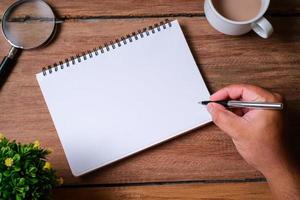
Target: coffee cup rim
{"x":261,"y":13}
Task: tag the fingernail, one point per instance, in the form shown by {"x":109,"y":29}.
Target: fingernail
{"x":210,"y":108}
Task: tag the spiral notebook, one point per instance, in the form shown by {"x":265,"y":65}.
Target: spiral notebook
{"x":118,"y":100}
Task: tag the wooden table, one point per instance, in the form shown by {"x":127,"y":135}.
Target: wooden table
{"x":200,"y":165}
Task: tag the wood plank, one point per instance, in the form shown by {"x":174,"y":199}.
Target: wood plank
{"x":232,"y":191}
{"x":93,"y":8}
{"x":204,"y":154}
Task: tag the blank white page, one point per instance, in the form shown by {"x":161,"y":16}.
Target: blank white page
{"x":126,"y":99}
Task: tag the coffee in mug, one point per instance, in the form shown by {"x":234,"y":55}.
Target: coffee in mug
{"x":238,"y":10}
{"x":237,"y":17}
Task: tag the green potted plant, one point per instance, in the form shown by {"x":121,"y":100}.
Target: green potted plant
{"x":24,"y":171}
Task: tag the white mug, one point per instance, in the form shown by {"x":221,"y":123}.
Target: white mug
{"x":259,"y":24}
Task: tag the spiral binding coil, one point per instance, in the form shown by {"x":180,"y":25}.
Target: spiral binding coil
{"x":107,"y":46}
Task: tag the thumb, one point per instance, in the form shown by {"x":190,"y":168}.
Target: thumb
{"x":227,"y":121}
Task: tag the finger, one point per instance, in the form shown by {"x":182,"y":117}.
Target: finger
{"x":242,"y":92}
{"x":226,"y":120}
{"x":278,"y":97}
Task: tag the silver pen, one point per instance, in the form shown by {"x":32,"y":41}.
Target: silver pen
{"x":245,"y":104}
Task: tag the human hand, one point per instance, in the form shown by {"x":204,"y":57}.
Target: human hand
{"x":257,"y":134}
{"x":258,"y":137}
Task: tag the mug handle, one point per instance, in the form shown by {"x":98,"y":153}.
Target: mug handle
{"x":262,"y":27}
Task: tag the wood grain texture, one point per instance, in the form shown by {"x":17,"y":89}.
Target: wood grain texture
{"x":204,"y":154}
{"x":142,"y":8}
{"x":232,"y":191}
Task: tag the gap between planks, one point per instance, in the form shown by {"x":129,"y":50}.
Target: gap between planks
{"x":188,"y":15}
{"x":133,"y":184}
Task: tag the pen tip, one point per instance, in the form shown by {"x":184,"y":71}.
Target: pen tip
{"x":204,"y":102}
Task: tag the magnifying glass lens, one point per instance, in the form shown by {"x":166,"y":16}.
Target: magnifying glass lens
{"x":28,"y":24}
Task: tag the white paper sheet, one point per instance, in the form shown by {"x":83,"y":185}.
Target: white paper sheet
{"x":125,"y":100}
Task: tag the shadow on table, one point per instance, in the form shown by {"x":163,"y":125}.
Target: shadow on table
{"x":292,"y":134}
{"x":287,"y":32}
{"x":286,"y":29}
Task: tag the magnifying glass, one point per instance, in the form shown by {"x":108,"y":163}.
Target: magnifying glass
{"x":26,"y":24}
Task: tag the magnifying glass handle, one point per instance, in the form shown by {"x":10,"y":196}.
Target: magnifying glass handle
{"x":7,"y":65}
